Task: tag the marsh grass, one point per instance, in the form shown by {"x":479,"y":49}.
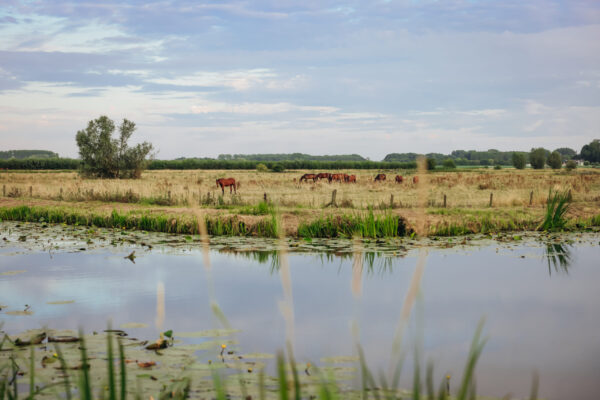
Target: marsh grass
{"x":367,"y":225}
{"x":557,"y":206}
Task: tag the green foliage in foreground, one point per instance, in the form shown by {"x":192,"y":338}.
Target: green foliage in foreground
{"x":287,"y":383}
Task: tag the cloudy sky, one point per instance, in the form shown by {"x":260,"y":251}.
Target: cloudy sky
{"x":320,"y":77}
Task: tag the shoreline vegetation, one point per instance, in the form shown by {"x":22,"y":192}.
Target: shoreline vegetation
{"x":268,"y":205}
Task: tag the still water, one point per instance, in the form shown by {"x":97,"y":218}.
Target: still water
{"x":539,"y":297}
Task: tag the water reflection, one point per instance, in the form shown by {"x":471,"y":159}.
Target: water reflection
{"x":558,"y":255}
{"x":373,"y":261}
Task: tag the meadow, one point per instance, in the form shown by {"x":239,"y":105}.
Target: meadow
{"x":442,"y":203}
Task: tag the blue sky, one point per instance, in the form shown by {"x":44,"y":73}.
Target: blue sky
{"x":320,"y":77}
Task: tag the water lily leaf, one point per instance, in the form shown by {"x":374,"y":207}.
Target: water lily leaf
{"x":208,"y":333}
{"x":339,"y":359}
{"x":60,"y":302}
{"x":19,"y":312}
{"x":133,"y":325}
{"x":10,"y":273}
{"x":259,"y":356}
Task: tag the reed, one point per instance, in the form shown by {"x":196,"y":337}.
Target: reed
{"x":367,"y":225}
{"x":557,"y":206}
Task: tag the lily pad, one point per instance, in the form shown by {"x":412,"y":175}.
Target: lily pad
{"x":10,"y":273}
{"x":19,"y":312}
{"x":339,"y":359}
{"x":207,"y":333}
{"x":60,"y":302}
{"x":133,"y":325}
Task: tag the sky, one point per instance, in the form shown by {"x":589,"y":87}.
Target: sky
{"x":320,"y":77}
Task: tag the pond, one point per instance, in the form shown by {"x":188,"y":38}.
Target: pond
{"x":538,"y":294}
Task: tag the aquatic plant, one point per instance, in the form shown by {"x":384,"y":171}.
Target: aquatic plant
{"x":557,"y":206}
{"x":367,"y":225}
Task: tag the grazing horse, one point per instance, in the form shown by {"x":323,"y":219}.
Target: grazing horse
{"x":399,"y":179}
{"x":323,"y":175}
{"x":223,"y":182}
{"x":306,"y":177}
{"x":380,"y":178}
{"x":415,"y":179}
{"x":351,"y":178}
{"x":336,"y":177}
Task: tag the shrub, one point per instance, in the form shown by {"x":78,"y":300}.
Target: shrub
{"x":518,"y":160}
{"x":555,"y":160}
{"x":497,"y":166}
{"x":105,"y":157}
{"x":571,"y":165}
{"x":449,"y":163}
{"x":431,"y":164}
{"x":261,"y":167}
{"x":278,"y":167}
{"x":537,"y":158}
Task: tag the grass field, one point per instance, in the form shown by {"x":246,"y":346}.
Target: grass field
{"x":518,"y":198}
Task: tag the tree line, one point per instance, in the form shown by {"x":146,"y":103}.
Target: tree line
{"x":291,"y":157}
{"x":20,"y":154}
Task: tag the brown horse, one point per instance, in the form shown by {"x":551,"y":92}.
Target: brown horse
{"x":380,"y":178}
{"x":306,"y":177}
{"x":415,"y":179}
{"x":351,"y":178}
{"x":223,"y":182}
{"x":323,"y":175}
{"x":336,"y":177}
{"x":399,"y":179}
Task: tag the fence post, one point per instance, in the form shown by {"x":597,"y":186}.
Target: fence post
{"x":391,"y":201}
{"x":444,"y":200}
{"x":491,"y":199}
{"x":531,"y":198}
{"x":3,"y":190}
{"x":61,"y":193}
{"x":265,"y":197}
{"x":332,"y":202}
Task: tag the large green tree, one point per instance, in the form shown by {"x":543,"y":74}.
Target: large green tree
{"x":537,"y":158}
{"x":555,"y":160}
{"x":519,"y":160}
{"x":591,"y":152}
{"x":103,"y":156}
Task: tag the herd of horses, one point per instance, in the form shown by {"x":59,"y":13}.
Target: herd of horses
{"x":342,"y":178}
{"x":349,"y":178}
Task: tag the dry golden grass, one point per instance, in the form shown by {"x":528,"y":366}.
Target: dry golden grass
{"x":468,"y":189}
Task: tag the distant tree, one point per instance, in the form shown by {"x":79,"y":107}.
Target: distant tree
{"x":571,"y":165}
{"x":260,"y":167}
{"x":449,"y":163}
{"x":537,"y":158}
{"x":566,"y":153}
{"x":591,"y":152}
{"x":430,"y":163}
{"x":105,"y":157}
{"x":278,"y":167}
{"x":518,"y":160}
{"x":555,"y":160}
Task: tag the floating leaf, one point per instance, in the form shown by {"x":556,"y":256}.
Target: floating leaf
{"x":61,"y":302}
{"x":133,"y":325}
{"x":10,"y":273}
{"x":208,"y":333}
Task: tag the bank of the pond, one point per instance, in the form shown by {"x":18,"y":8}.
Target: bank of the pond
{"x":270,"y":222}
